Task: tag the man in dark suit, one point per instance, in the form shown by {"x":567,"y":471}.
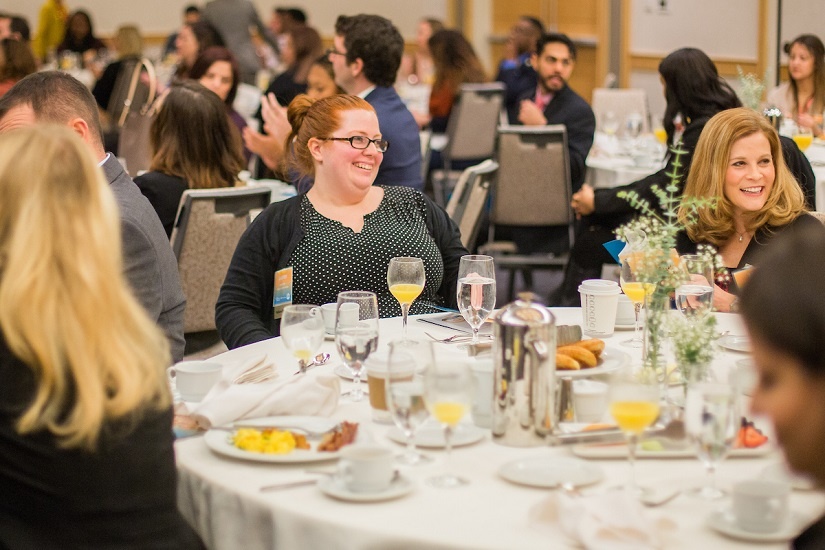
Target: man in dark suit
{"x":552,"y":101}
{"x":365,"y":57}
{"x":150,"y":266}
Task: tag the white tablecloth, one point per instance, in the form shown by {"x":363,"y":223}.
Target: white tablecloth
{"x":221,"y":499}
{"x":816,"y":155}
{"x":613,"y":162}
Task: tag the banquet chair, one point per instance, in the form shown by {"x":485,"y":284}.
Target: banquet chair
{"x":425,"y":138}
{"x":622,"y":102}
{"x":532,"y":189}
{"x":471,"y":132}
{"x":209,"y":225}
{"x":469,"y":199}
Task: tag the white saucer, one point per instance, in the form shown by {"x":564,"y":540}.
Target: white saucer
{"x":548,"y":472}
{"x":735,"y":343}
{"x":431,"y":436}
{"x":335,"y":487}
{"x":724,"y":522}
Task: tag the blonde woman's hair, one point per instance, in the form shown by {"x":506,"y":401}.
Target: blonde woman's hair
{"x":707,"y":174}
{"x":129,"y":41}
{"x":65,"y":308}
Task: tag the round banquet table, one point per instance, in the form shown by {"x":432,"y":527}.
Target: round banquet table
{"x":220,"y":496}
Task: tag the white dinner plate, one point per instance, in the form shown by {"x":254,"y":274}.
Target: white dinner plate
{"x":619,"y":451}
{"x":431,"y":436}
{"x":220,"y":441}
{"x":335,"y":487}
{"x":551,"y":471}
{"x":735,"y":343}
{"x":610,"y":360}
{"x":724,"y":522}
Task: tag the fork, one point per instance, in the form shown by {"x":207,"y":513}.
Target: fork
{"x":456,"y":338}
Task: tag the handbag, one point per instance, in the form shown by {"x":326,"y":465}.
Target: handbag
{"x":133,"y":146}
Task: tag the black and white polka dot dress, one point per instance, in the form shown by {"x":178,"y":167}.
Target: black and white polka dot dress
{"x":332,"y":257}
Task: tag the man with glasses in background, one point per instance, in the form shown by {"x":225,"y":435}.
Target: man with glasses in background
{"x":365,"y":57}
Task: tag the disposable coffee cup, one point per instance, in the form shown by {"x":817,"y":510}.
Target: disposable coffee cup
{"x":378,"y":371}
{"x":194,"y":379}
{"x":760,"y":505}
{"x":600,"y":300}
{"x":366,"y":468}
{"x":589,"y":400}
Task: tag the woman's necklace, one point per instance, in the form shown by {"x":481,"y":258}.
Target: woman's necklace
{"x":742,"y":235}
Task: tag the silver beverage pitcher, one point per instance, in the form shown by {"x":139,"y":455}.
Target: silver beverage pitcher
{"x":524,"y":374}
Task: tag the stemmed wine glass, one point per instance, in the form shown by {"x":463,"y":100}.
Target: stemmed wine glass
{"x":634,"y":405}
{"x":636,"y":290}
{"x":633,"y":127}
{"x":356,"y":338}
{"x":302,"y":331}
{"x":803,"y":137}
{"x":405,"y":277}
{"x":405,"y":395}
{"x":610,"y":124}
{"x":711,"y":421}
{"x":448,"y":391}
{"x":476,"y":290}
{"x":697,"y":292}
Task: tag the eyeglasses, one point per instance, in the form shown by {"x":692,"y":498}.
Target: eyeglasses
{"x":362,"y":142}
{"x":333,"y":51}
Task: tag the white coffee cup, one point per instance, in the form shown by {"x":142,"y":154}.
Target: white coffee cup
{"x":349,"y":312}
{"x":366,"y":468}
{"x":378,"y":370}
{"x":599,"y":299}
{"x":760,"y":505}
{"x":482,"y":370}
{"x":625,"y":313}
{"x":589,"y":400}
{"x":194,"y":379}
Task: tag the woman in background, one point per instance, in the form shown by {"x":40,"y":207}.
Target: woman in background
{"x":16,"y":61}
{"x":301,"y":45}
{"x":739,"y":162}
{"x":192,"y":39}
{"x":129,"y":46}
{"x":80,"y":39}
{"x":802,"y":97}
{"x":783,"y":306}
{"x":419,"y":68}
{"x":180,"y":162}
{"x":217,"y":69}
{"x":85,"y":406}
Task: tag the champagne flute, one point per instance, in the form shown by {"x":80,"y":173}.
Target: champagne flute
{"x":356,"y":337}
{"x":448,"y":391}
{"x":697,"y":292}
{"x":634,"y":405}
{"x":711,"y":421}
{"x":405,"y":277}
{"x":476,"y":290}
{"x":635,"y":290}
{"x":302,"y":331}
{"x":803,"y":137}
{"x":405,"y":395}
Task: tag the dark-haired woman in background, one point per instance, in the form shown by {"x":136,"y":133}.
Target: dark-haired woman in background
{"x":217,"y":69}
{"x":802,"y":97}
{"x":180,"y":161}
{"x":192,"y":39}
{"x":16,"y":61}
{"x":80,"y":38}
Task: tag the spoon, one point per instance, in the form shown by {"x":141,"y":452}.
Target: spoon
{"x":319,"y":359}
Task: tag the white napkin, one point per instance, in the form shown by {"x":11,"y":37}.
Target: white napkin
{"x":296,"y":395}
{"x":609,"y":521}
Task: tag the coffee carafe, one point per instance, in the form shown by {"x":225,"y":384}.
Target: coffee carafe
{"x":524,"y":373}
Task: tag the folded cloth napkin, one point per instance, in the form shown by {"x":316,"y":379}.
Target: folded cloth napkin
{"x":227,"y":402}
{"x":609,"y":521}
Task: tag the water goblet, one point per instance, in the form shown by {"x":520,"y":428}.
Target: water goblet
{"x":302,"y":331}
{"x":476,"y":290}
{"x":405,"y":277}
{"x":711,"y":421}
{"x":696,"y":293}
{"x":448,"y":393}
{"x":405,"y":395}
{"x":356,"y":338}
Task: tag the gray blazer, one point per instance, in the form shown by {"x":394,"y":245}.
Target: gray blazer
{"x":150,"y":265}
{"x":232,"y":19}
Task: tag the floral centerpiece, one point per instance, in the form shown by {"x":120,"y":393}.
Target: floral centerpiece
{"x":693,"y":336}
{"x":751,"y":89}
{"x":652,"y":236}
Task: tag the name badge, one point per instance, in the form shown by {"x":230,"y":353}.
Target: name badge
{"x":282,"y":295}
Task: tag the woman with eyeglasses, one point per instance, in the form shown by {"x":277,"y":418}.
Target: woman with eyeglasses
{"x":339,"y":235}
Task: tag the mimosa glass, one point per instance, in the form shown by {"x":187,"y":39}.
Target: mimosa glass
{"x":406,"y":278}
{"x":635,"y":290}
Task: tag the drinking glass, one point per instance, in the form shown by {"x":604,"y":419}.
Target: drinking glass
{"x":302,"y":331}
{"x":610,"y":123}
{"x":635,"y":290}
{"x":711,"y":421}
{"x":634,"y":405}
{"x":803,"y":137}
{"x":448,"y":393}
{"x":405,"y":396}
{"x":633,"y":127}
{"x":356,"y":339}
{"x":405,"y":277}
{"x":476,"y":290}
{"x":697,"y":292}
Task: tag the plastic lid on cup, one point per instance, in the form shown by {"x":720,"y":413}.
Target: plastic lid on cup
{"x":378,"y":363}
{"x":599,"y":286}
